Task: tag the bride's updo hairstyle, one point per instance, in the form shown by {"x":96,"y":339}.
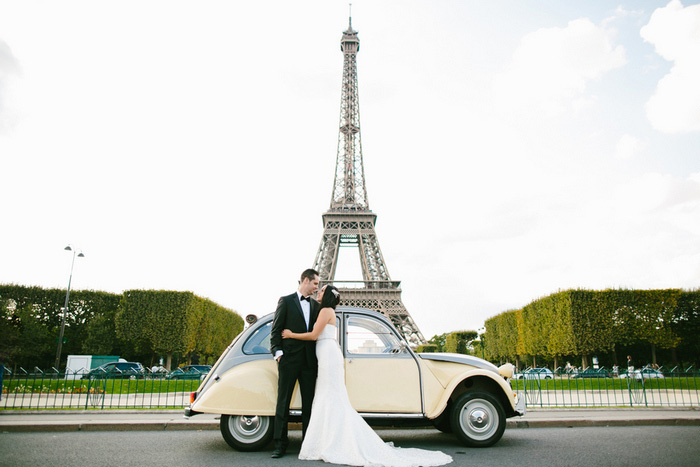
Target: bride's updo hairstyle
{"x":331,"y":297}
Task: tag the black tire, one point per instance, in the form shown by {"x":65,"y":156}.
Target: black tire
{"x":247,"y":433}
{"x":443,"y":422}
{"x":478,"y":419}
{"x":547,"y":377}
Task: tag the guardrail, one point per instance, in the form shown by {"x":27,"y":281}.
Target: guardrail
{"x":79,"y":390}
{"x":601,"y":388}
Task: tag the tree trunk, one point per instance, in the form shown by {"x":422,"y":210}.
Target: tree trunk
{"x":653,"y":354}
{"x":168,"y":361}
{"x":556,"y":362}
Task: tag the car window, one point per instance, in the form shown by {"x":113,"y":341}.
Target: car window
{"x":259,"y":341}
{"x":370,"y":336}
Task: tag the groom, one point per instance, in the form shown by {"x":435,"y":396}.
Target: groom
{"x":296,"y":359}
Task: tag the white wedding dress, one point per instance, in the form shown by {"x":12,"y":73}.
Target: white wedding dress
{"x":337,"y":433}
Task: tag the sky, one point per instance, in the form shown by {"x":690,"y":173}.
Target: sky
{"x":511,"y":149}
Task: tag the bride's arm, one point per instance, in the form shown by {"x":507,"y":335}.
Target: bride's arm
{"x":324,"y":317}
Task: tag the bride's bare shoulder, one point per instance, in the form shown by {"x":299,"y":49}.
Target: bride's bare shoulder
{"x":327,"y":313}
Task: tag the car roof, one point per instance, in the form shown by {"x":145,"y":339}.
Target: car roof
{"x":341,"y":310}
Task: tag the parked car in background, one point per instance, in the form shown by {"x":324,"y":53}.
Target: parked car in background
{"x":189,"y":372}
{"x":536,"y":373}
{"x":593,"y":373}
{"x":158,"y":371}
{"x":387,"y":383}
{"x":117,"y":370}
{"x":648,"y":373}
{"x":645,"y":373}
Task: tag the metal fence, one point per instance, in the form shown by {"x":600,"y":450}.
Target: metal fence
{"x":646,"y":387}
{"x":78,"y":390}
{"x":540,"y":387}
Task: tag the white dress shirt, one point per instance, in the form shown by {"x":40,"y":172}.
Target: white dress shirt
{"x":305,"y":308}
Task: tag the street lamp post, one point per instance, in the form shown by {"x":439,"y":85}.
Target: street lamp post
{"x":65,"y":306}
{"x":481,"y":341}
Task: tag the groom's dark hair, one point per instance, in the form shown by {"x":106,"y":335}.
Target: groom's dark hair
{"x":308,"y":274}
{"x":331,"y":297}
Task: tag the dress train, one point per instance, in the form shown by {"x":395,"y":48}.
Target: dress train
{"x":338,"y":434}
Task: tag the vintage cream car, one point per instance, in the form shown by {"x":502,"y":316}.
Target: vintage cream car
{"x":388,"y":384}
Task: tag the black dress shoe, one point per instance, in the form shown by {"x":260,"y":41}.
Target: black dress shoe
{"x":277,"y":453}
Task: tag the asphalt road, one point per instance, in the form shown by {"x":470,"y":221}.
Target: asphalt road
{"x":619,"y":446}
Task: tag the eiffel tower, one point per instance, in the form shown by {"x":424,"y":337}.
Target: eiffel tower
{"x":349,"y":222}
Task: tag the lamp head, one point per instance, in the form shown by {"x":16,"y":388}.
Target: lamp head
{"x":68,"y":248}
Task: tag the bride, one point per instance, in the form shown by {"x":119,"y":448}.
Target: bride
{"x":336,"y":432}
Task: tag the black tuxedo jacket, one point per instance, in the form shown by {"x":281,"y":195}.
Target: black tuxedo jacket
{"x":289,"y":316}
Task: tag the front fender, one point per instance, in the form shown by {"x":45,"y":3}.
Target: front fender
{"x":440,"y":406}
{"x":247,"y":389}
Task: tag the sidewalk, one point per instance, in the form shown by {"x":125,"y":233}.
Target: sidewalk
{"x":155,"y":420}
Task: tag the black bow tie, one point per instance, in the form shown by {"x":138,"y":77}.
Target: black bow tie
{"x":308,"y":299}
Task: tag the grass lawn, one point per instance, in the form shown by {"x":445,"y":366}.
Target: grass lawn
{"x":575,"y":384}
{"x":48,"y":385}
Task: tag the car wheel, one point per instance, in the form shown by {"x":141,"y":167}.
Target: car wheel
{"x":246,"y":433}
{"x":478,"y":419}
{"x":547,"y":377}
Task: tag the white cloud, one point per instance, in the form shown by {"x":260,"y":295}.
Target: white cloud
{"x":658,"y":223}
{"x":628,"y":147}
{"x":621,"y":12}
{"x":552,"y":66}
{"x":8,"y":62}
{"x":675,"y":33}
{"x":9,"y":67}
{"x":642,"y":194}
{"x":663,"y":212}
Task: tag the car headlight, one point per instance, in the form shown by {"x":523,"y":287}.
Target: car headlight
{"x":506,"y":370}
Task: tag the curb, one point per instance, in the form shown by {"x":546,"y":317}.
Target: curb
{"x":139,"y":426}
{"x":599,"y":423}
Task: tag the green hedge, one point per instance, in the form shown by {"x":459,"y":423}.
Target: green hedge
{"x":138,"y":325}
{"x":584,"y":322}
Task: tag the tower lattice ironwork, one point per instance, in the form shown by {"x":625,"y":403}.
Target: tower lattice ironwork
{"x":349,"y":222}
